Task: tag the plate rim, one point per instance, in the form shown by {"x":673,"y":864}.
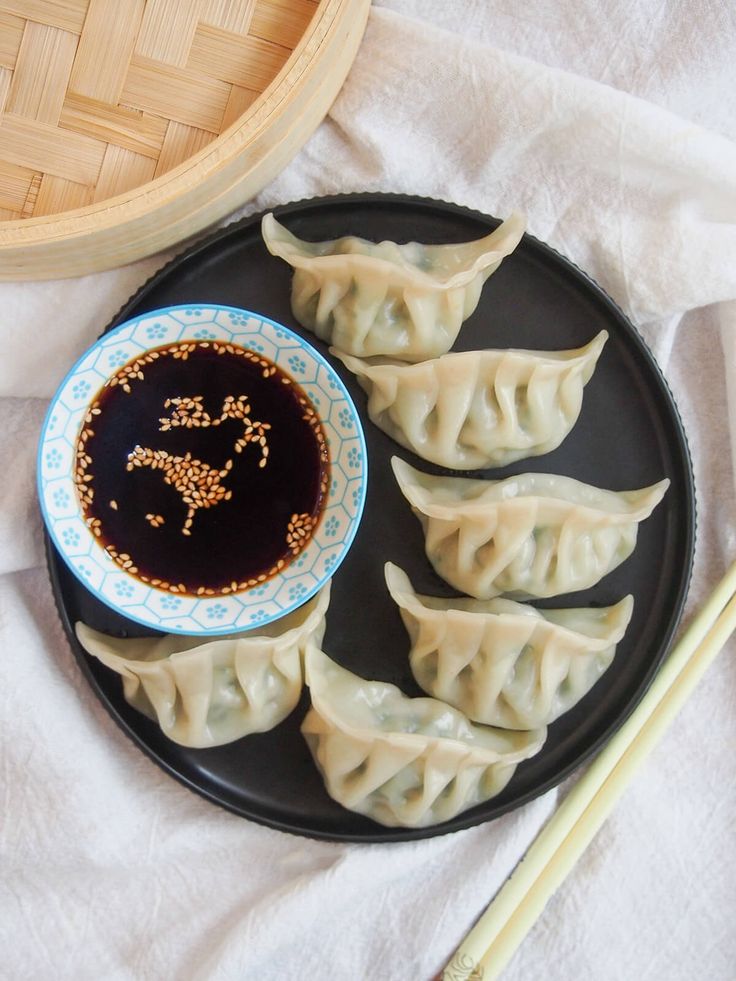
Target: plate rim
{"x":466,"y":819}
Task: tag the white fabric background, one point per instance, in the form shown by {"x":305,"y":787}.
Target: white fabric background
{"x":613,"y":127}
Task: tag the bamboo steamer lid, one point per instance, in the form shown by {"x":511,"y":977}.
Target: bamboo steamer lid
{"x":129,"y":125}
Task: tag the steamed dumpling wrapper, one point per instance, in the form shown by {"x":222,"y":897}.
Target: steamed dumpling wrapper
{"x":530,"y":535}
{"x":380,"y":298}
{"x":208,"y":693}
{"x":504,"y":663}
{"x":478,"y":409}
{"x":407,"y":762}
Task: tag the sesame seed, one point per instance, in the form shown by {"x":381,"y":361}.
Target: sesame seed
{"x":197,"y":484}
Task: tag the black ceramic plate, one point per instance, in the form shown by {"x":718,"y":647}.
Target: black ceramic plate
{"x":629,"y":435}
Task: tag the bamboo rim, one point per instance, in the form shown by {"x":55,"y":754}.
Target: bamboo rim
{"x":209,"y":184}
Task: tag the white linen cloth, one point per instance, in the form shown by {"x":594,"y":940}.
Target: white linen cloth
{"x":612,"y":126}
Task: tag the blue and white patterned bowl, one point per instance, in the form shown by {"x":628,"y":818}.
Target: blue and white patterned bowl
{"x":187,"y":614}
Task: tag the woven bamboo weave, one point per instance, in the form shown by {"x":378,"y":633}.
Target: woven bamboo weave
{"x":100,"y":96}
{"x":121,"y":133}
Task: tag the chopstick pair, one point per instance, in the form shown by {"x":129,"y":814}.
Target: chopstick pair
{"x":491,"y":943}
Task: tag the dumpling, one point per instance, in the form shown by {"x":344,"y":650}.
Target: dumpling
{"x":409,"y":762}
{"x":537,"y":534}
{"x":503,"y":663}
{"x":405,"y":301}
{"x":211,"y":693}
{"x":478,"y":409}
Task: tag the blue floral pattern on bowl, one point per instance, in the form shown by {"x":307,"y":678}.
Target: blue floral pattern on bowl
{"x":70,"y":537}
{"x":81,"y":390}
{"x":216,"y":612}
{"x":155,"y":332}
{"x":176,"y":612}
{"x":61,"y":498}
{"x":53,"y":459}
{"x":330,"y":562}
{"x":298,"y":591}
{"x":331,"y":526}
{"x":297,"y":365}
{"x":117,"y":359}
{"x":238,"y":319}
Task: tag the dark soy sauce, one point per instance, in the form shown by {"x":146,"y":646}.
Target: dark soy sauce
{"x":174,"y":502}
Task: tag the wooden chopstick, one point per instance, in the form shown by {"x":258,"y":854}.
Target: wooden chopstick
{"x":495,"y":937}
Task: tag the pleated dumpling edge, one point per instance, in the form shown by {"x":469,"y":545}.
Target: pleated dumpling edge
{"x":406,"y":762}
{"x":413,"y":264}
{"x":382,"y":298}
{"x":208,"y":692}
{"x":531,"y":535}
{"x":469,"y":410}
{"x":503,"y":663}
